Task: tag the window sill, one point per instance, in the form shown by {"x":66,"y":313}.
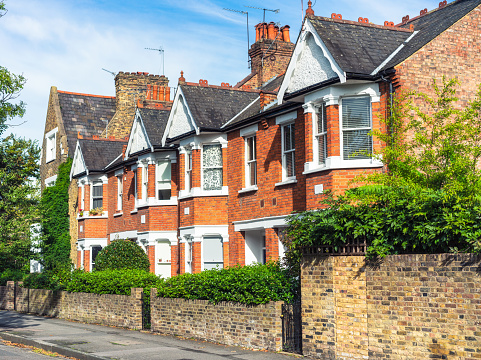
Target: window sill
{"x":336,"y":163}
{"x":103,"y":216}
{"x":135,"y":211}
{"x":154,"y":202}
{"x":248,"y":189}
{"x":118,"y":214}
{"x":198,"y":192}
{"x":288,"y":181}
{"x":49,"y":160}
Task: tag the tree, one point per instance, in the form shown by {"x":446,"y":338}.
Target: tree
{"x":18,"y":200}
{"x":55,"y":222}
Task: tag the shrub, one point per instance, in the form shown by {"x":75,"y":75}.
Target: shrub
{"x":117,"y":282}
{"x":122,"y":254}
{"x":251,"y":285}
{"x":50,"y":279}
{"x":11,"y":275}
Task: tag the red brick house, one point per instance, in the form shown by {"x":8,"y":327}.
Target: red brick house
{"x":211,"y":181}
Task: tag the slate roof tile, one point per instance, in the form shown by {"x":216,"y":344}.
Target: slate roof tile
{"x":87,"y":114}
{"x":212,"y":107}
{"x":100,"y":153}
{"x":155,"y":122}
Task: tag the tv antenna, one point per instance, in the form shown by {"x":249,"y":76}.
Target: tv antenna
{"x":161,"y":52}
{"x":111,"y":72}
{"x":264,"y":9}
{"x":248,"y":42}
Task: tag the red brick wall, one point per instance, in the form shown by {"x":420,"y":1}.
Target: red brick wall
{"x":150,"y":250}
{"x":87,"y":197}
{"x":204,"y":211}
{"x":174,"y":260}
{"x":272,"y":245}
{"x":79,"y":259}
{"x":87,"y":260}
{"x":196,"y":257}
{"x":456,"y":52}
{"x":95,"y":227}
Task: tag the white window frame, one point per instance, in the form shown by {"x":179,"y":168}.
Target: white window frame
{"x":320,"y":113}
{"x":216,"y":167}
{"x":342,"y":130}
{"x":50,"y":181}
{"x":82,"y":197}
{"x":249,"y":163}
{"x":145,"y":182}
{"x":92,"y":185}
{"x":51,"y":145}
{"x":135,"y":186}
{"x":189,"y":245}
{"x":120,"y":190}
{"x":188,"y":171}
{"x":162,"y":184}
{"x":286,"y":153}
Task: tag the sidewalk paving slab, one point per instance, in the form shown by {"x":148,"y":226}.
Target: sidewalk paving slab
{"x":96,"y":342}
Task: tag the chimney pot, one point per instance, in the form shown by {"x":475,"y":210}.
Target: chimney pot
{"x":285,"y":33}
{"x":161,"y":93}
{"x":264,"y":30}
{"x":167,"y":93}
{"x":258,"y":32}
{"x":270,"y":31}
{"x":156,"y":92}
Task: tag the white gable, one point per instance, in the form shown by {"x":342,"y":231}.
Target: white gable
{"x":138,"y":139}
{"x":311,"y":68}
{"x":311,"y":63}
{"x":180,"y":118}
{"x":78,"y":164}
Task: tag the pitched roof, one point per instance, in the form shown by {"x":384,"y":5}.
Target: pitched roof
{"x":87,"y":114}
{"x":356,"y":47}
{"x":98,"y":154}
{"x":211,"y":107}
{"x":273,"y":84}
{"x":432,"y":25}
{"x":155,"y":122}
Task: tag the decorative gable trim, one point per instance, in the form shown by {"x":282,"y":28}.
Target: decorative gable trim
{"x":179,"y":101}
{"x":78,"y":164}
{"x":300,"y":46}
{"x":138,"y":137}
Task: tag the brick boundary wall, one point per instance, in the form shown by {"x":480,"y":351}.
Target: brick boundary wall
{"x":257,"y":327}
{"x":111,"y":310}
{"x":400,"y":307}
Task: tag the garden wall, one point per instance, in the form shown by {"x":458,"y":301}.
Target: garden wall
{"x":401,"y":307}
{"x":113,"y":310}
{"x":257,"y":327}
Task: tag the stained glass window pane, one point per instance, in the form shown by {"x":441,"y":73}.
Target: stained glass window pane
{"x":212,"y":156}
{"x":212,"y":179}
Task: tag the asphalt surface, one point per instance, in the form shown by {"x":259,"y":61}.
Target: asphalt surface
{"x":94,"y":342}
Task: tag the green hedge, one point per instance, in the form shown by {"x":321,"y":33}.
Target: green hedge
{"x":251,"y":285}
{"x":118,"y":282}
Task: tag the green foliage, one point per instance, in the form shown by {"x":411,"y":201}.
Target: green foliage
{"x":251,"y":285}
{"x":18,"y":200}
{"x":430,"y":199}
{"x":10,"y":87}
{"x":51,"y":280}
{"x":122,"y":254}
{"x":55,"y":222}
{"x":111,"y":281}
{"x":11,"y":275}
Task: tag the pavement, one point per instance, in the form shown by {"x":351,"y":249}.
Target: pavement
{"x":95,"y":342}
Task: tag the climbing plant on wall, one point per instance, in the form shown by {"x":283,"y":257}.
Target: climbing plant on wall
{"x":55,"y":246}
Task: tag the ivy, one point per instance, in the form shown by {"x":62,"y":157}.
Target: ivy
{"x":55,"y":222}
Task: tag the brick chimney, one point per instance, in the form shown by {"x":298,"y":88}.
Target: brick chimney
{"x":132,"y":89}
{"x":270,"y":54}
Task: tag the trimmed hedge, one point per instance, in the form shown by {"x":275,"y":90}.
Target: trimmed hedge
{"x":251,"y":285}
{"x":122,"y":254}
{"x":118,"y":282}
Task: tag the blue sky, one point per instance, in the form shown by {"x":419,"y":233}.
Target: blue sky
{"x":67,"y":43}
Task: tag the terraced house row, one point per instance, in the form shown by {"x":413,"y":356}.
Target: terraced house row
{"x":205,"y":176}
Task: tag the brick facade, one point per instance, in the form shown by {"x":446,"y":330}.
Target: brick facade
{"x":402,"y":307}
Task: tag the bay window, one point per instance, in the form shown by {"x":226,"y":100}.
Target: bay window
{"x":356,"y":128}
{"x":288,"y":151}
{"x":212,"y":167}
{"x":251,"y":161}
{"x":321,"y":135}
{"x":97,"y":195}
{"x":119,"y":192}
{"x":163,"y":175}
